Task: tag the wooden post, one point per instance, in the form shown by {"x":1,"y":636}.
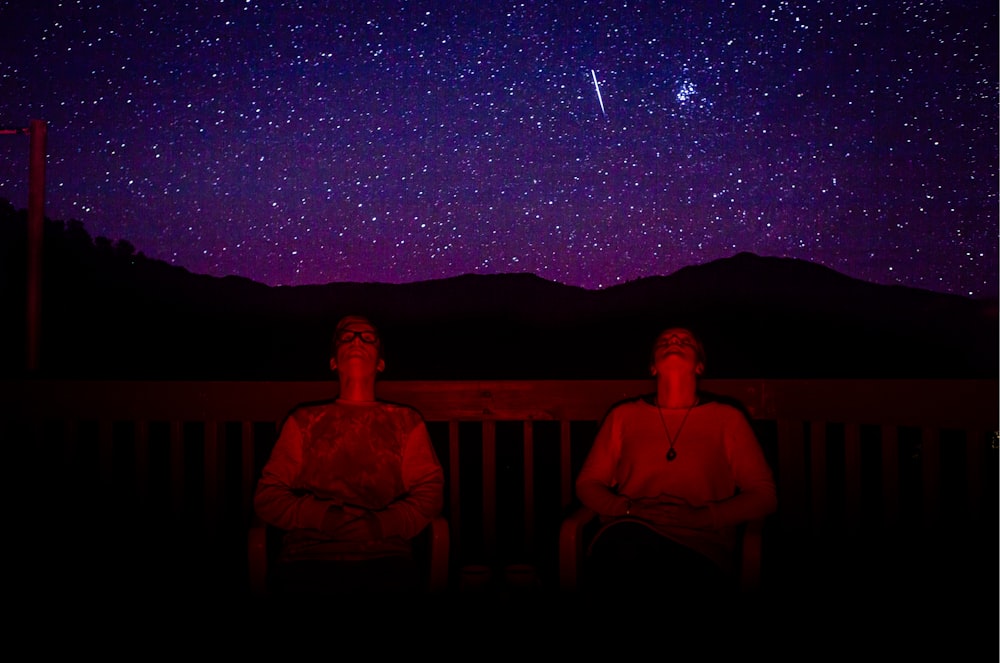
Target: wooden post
{"x":36,"y":225}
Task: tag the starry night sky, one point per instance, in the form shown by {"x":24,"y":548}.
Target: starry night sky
{"x":590,"y":143}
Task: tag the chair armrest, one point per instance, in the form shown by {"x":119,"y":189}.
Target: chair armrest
{"x":750,"y":555}
{"x":438,"y":539}
{"x":571,"y":550}
{"x":440,"y":544}
{"x":257,"y":556}
{"x":571,"y":546}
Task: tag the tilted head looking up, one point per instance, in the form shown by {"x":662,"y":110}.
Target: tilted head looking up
{"x":355,"y":337}
{"x":677,"y":344}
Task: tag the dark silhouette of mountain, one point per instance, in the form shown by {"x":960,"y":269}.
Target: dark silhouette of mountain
{"x":109,"y":312}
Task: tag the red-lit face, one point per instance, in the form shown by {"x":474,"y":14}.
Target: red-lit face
{"x":358,"y":350}
{"x":677,"y":349}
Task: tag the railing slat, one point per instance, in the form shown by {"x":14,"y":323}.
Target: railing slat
{"x":565,"y":464}
{"x":142,"y":461}
{"x":248,"y":467}
{"x":106,"y":450}
{"x":454,"y":488}
{"x":70,"y":438}
{"x":930,"y":474}
{"x":490,"y":487}
{"x":213,"y":440}
{"x":817,"y":475}
{"x":975,"y":459}
{"x":791,"y":474}
{"x":852,"y":462}
{"x":176,"y":468}
{"x":529,"y":486}
{"x":890,"y":475}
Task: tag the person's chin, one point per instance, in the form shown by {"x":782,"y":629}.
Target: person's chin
{"x":357,"y":365}
{"x":358,"y":355}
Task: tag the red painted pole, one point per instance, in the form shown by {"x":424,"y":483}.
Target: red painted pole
{"x":36,"y":223}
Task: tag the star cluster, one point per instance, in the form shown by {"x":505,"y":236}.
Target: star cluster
{"x":298,"y":143}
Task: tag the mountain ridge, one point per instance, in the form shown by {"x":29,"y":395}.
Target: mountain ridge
{"x":109,"y":312}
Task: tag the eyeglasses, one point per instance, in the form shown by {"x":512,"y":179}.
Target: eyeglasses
{"x":366,"y":336}
{"x":682,"y":339}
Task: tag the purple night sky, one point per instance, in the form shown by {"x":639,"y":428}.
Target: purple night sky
{"x":590,"y":143}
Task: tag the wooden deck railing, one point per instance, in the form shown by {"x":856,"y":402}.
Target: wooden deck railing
{"x":847,"y":454}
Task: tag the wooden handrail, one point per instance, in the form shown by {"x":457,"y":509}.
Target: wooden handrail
{"x":919,"y":403}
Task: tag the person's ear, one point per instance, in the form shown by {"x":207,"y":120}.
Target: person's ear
{"x":333,"y":363}
{"x":699,"y":369}
{"x":652,"y":371}
{"x":380,"y":366}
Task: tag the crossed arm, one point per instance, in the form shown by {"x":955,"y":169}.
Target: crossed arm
{"x":281,"y":501}
{"x":656,"y":500}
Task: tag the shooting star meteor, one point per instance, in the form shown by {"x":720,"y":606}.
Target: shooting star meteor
{"x":598,"y":88}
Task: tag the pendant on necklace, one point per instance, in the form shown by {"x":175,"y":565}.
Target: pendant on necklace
{"x":671,"y":454}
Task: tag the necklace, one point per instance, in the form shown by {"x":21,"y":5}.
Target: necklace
{"x":671,"y":454}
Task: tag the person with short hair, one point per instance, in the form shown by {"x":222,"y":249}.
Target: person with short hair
{"x":671,"y":475}
{"x":351,"y":481}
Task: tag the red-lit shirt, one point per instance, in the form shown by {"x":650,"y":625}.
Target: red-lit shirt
{"x":718,"y":464}
{"x":376,"y":456}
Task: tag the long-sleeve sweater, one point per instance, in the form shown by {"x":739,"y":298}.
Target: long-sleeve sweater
{"x":718,"y":464}
{"x":373,"y":456}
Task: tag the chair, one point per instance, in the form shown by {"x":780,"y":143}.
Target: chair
{"x":433,"y":543}
{"x":578,"y":528}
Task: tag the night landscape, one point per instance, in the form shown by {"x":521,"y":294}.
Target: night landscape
{"x":113,"y":315}
{"x":521,"y":197}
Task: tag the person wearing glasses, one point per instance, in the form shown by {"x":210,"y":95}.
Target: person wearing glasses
{"x":351,"y":481}
{"x":671,"y":475}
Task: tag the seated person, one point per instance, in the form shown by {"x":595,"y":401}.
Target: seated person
{"x":671,"y":475}
{"x":351,"y":481}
